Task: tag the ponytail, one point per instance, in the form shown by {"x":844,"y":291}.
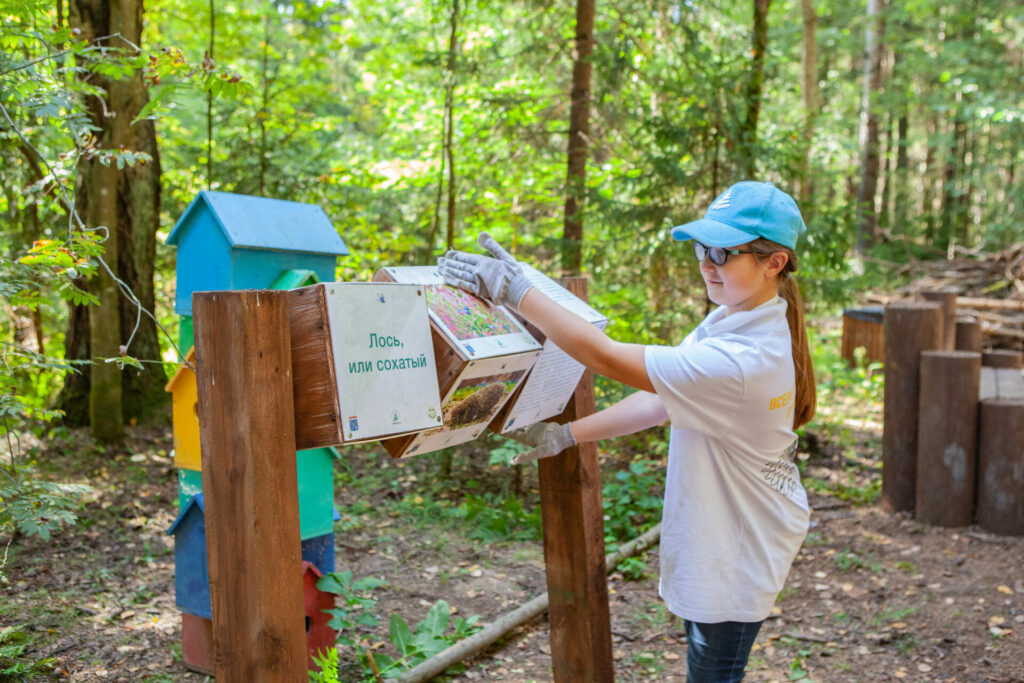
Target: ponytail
{"x":806,"y":391}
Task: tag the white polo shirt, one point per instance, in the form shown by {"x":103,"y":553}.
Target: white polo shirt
{"x":735,"y":512}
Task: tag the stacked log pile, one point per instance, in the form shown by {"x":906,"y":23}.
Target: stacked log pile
{"x":989,"y":288}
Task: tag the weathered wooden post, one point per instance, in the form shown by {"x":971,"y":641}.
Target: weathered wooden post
{"x":1001,"y":466}
{"x":947,"y":437}
{"x":247,"y":435}
{"x":1002,"y":358}
{"x":1001,"y":374}
{"x":573,"y":520}
{"x":947,"y":298}
{"x":968,"y":335}
{"x":910,"y":328}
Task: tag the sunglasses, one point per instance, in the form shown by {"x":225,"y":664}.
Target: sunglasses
{"x":718,"y":255}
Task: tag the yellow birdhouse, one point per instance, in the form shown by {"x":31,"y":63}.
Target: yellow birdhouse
{"x":185,"y":412}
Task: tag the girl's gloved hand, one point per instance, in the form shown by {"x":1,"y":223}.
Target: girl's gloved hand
{"x":546,"y":438}
{"x":497,"y":277}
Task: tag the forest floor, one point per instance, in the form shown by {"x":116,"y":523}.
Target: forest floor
{"x":873,"y":596}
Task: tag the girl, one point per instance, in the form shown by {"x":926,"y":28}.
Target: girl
{"x":734,"y":391}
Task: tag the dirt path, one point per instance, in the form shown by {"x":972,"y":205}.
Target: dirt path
{"x":872,"y":597}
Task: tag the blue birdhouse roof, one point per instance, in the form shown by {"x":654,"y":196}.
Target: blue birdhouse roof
{"x":197,"y":500}
{"x":264,"y":223}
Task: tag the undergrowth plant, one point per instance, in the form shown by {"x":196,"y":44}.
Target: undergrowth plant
{"x":353,"y":620}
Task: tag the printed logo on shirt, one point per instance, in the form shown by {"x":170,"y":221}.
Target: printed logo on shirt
{"x":722,"y":202}
{"x":782,"y":475}
{"x":781,"y":401}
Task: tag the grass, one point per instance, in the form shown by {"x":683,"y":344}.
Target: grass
{"x":16,"y":662}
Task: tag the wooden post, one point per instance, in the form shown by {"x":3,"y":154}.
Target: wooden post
{"x":947,"y":298}
{"x":968,"y":335}
{"x":1002,"y":358}
{"x":1001,"y":466}
{"x":910,"y":328}
{"x":573,"y":520}
{"x":247,"y":436}
{"x":947,"y":437}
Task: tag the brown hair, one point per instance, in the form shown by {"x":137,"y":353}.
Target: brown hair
{"x":806,"y":392}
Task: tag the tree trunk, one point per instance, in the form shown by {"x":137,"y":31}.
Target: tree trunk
{"x":127,"y":202}
{"x":867,"y":222}
{"x":755,"y":86}
{"x":579,"y":133}
{"x":901,"y":176}
{"x":928,"y":181}
{"x":261,"y":118}
{"x":449,"y":112}
{"x":209,"y":98}
{"x":810,"y":18}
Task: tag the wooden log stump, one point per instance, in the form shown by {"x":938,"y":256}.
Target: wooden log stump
{"x":947,"y":437}
{"x":862,"y":328}
{"x":247,"y":436}
{"x":910,"y":328}
{"x":968,"y":335}
{"x":1002,"y":358}
{"x":1000,"y":507}
{"x":947,"y":298}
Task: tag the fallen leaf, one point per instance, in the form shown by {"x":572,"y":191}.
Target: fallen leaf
{"x":671,"y":656}
{"x":899,"y":673}
{"x":1005,"y":589}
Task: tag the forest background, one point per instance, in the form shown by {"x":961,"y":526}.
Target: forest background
{"x":576,"y":135}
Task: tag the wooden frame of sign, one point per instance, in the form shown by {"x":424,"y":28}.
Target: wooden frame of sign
{"x":320,"y":415}
{"x":490,"y":368}
{"x":257,"y":401}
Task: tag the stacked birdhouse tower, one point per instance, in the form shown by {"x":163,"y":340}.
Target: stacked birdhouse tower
{"x":953,"y":438}
{"x":228,"y":241}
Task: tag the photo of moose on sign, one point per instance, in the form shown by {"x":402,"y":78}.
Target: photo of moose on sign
{"x":473,"y":401}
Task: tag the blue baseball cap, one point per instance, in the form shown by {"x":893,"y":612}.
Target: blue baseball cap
{"x":744,"y":212}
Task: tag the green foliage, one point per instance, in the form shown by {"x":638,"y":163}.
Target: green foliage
{"x":493,"y":518}
{"x":413,"y":645}
{"x":632,"y":501}
{"x":356,"y":608}
{"x":15,"y":664}
{"x":36,"y":507}
{"x":633,"y":568}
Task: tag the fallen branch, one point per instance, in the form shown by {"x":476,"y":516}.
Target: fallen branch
{"x":426,"y":670}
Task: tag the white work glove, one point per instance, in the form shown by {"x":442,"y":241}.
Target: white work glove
{"x":497,"y":277}
{"x":547,"y":439}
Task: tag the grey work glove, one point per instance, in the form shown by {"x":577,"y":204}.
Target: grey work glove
{"x":497,"y":277}
{"x":546,"y":438}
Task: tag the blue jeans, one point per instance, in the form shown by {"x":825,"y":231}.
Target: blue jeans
{"x":717,"y":653}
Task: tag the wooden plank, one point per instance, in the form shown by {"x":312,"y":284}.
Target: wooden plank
{"x":570,"y":493}
{"x":247,"y":434}
{"x":317,"y":414}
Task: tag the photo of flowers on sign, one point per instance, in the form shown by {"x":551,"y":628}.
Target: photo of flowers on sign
{"x":466,"y":316}
{"x":478,"y":328}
